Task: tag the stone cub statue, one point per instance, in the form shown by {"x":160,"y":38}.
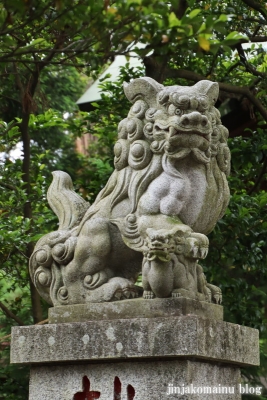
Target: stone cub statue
{"x":165,"y":195}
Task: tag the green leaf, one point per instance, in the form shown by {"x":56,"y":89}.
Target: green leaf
{"x":222,"y":18}
{"x":194,"y":13}
{"x":236,"y":36}
{"x":204,"y":43}
{"x":173,"y":20}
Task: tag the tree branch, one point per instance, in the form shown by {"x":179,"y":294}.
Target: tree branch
{"x":38,"y":17}
{"x":247,"y":65}
{"x":256,"y":39}
{"x":195,"y":77}
{"x":181,"y":9}
{"x":7,"y":186}
{"x":256,"y":6}
{"x":10,"y":314}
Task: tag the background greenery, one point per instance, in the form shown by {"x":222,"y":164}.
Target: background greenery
{"x":47,"y":48}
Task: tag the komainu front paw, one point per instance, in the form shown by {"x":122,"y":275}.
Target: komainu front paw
{"x":197,"y":246}
{"x":148,"y":294}
{"x":125,"y":289}
{"x":127,"y":293}
{"x":116,"y":288}
{"x":216,"y":293}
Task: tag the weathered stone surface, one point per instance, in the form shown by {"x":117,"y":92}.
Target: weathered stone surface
{"x":140,"y":338}
{"x":149,"y":380}
{"x":166,"y":194}
{"x":134,"y":308}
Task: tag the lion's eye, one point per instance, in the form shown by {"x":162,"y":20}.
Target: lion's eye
{"x":178,"y":111}
{"x":173,"y":110}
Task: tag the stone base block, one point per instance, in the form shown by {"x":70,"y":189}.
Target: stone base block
{"x":137,"y":338}
{"x":149,"y":380}
{"x":155,"y":357}
{"x":135,"y":308}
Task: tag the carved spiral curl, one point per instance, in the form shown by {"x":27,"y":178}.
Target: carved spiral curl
{"x":134,"y":129}
{"x":224,"y":158}
{"x":59,"y":236}
{"x":93,"y":281}
{"x":121,"y":151}
{"x":43,"y":256}
{"x":43,"y":277}
{"x":140,"y":154}
{"x":63,"y":252}
{"x":138,"y":110}
{"x":212,"y":117}
{"x":194,"y":103}
{"x":132,"y":233}
{"x":203,"y":104}
{"x":122,"y":129}
{"x":158,"y":147}
{"x":181,"y":101}
{"x":218,"y":116}
{"x":224,"y":133}
{"x":150,"y":114}
{"x":63,"y":295}
{"x":148,"y":131}
{"x":163,"y":97}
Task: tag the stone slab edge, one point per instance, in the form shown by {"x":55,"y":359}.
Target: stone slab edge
{"x":139,"y":338}
{"x":134,"y":308}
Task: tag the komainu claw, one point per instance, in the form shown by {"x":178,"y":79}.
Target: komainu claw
{"x":195,"y":252}
{"x":126,"y":293}
{"x":216,"y":293}
{"x":203,"y":252}
{"x":118,"y":294}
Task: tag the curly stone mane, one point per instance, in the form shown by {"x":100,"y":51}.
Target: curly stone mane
{"x":141,"y":154}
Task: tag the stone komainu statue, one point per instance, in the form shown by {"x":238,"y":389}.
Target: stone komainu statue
{"x":166,"y":194}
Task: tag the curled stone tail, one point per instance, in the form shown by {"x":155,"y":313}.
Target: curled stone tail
{"x":68,"y":206}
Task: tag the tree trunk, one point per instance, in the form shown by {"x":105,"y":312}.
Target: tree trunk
{"x":24,"y":128}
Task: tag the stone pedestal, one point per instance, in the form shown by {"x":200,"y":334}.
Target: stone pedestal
{"x":138,"y":350}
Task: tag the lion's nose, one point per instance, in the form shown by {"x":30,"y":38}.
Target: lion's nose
{"x":193,"y":119}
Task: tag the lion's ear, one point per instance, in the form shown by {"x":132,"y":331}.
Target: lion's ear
{"x":142,"y":88}
{"x":210,"y":89}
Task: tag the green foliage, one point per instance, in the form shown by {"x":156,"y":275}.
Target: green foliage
{"x":45,"y":45}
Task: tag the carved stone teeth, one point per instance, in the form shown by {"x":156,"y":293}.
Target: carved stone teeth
{"x":172,"y":131}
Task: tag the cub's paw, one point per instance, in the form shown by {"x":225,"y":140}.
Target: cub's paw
{"x":148,"y":294}
{"x":176,"y":293}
